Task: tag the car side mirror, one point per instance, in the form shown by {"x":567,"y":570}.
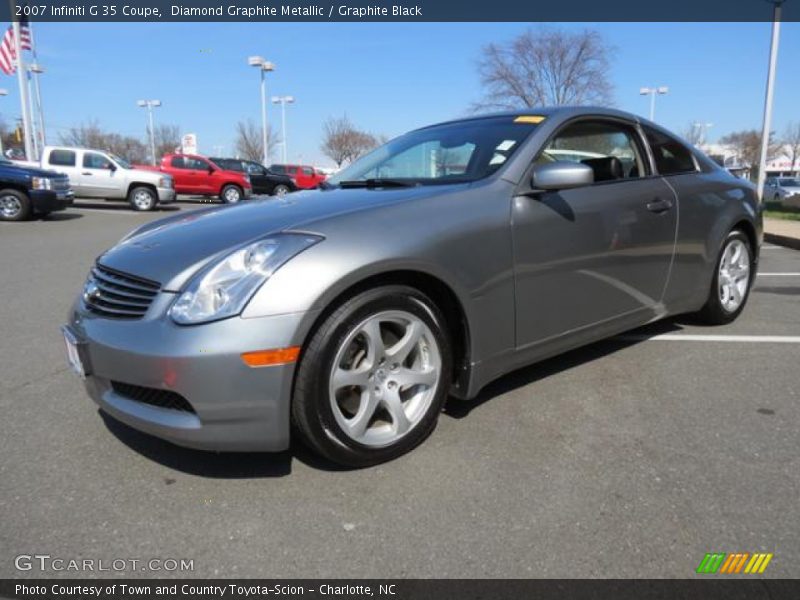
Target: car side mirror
{"x":210,"y":169}
{"x":561,"y":175}
{"x":112,"y":167}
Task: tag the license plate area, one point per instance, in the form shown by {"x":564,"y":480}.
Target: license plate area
{"x":75,"y":354}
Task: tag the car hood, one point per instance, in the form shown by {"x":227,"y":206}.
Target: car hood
{"x":31,"y":171}
{"x":169,"y":251}
{"x":146,"y":174}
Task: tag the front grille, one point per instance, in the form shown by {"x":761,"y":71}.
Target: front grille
{"x":114,"y":294}
{"x":60,"y":184}
{"x":152,"y":396}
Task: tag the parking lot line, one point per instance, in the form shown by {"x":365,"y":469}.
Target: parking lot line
{"x":687,"y":337}
{"x":779,"y":274}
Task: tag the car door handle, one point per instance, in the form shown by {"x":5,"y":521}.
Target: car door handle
{"x":85,"y":173}
{"x":659,"y":205}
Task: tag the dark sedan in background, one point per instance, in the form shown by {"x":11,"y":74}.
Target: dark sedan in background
{"x":429,"y":267}
{"x":262,"y":179}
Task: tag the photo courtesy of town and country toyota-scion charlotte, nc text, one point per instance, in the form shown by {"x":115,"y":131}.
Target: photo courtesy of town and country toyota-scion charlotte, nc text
{"x":234,"y":11}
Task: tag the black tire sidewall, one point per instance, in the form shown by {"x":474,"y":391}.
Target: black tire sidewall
{"x":316,"y":365}
{"x":26,"y":209}
{"x":153,"y":199}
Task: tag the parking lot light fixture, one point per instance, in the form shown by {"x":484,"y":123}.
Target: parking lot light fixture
{"x":653,"y":92}
{"x":283,"y":101}
{"x":264,"y":66}
{"x":149,"y":105}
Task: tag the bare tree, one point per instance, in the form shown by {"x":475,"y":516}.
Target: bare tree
{"x":249,"y":143}
{"x":746,"y":145}
{"x":545,"y":67}
{"x":693,"y":134}
{"x":343,"y":142}
{"x":91,"y":135}
{"x":167,"y":139}
{"x":791,"y":143}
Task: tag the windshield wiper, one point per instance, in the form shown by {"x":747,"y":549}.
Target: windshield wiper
{"x":377,"y":183}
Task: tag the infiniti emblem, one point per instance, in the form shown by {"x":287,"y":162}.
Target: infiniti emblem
{"x":90,"y":292}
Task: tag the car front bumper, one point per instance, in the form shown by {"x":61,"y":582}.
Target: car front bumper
{"x":166,"y":195}
{"x":232,"y":407}
{"x":51,"y":200}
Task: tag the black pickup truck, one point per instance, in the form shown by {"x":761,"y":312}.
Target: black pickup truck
{"x":25,"y":191}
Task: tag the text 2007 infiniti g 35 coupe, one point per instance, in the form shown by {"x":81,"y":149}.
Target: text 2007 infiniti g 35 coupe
{"x":438,"y":262}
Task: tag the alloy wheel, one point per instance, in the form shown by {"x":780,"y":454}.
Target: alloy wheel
{"x":10,"y":206}
{"x":384,"y":378}
{"x":734,"y":275}
{"x":143,"y":200}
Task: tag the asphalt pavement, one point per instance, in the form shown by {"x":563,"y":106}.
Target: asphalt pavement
{"x":629,"y":458}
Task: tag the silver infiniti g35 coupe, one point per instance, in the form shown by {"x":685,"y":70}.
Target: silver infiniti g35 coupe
{"x":438,"y":262}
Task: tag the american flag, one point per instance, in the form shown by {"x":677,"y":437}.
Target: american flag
{"x":8,"y":53}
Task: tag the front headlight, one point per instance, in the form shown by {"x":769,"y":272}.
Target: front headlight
{"x":223,"y":289}
{"x":42,"y":183}
{"x":165,"y":182}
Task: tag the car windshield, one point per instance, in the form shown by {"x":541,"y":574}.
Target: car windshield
{"x":450,"y":153}
{"x":789,"y":182}
{"x":121,"y":161}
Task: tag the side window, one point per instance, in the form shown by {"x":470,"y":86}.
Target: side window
{"x":196,"y":164}
{"x":177,"y":162}
{"x":280,"y":169}
{"x":610,"y":149}
{"x":670,"y":155}
{"x":62,"y":158}
{"x":254,"y":169}
{"x":308,"y":171}
{"x":92,"y":160}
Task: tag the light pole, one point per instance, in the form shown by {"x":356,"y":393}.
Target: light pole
{"x":765,"y":130}
{"x":264,"y":66}
{"x":37,"y":119}
{"x":3,"y":92}
{"x":150,"y":104}
{"x":646,"y":91}
{"x":283,"y":101}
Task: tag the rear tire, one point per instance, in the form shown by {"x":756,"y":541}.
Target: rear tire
{"x":280,"y":190}
{"x":733,"y":277}
{"x":231,"y":194}
{"x":373,"y":378}
{"x":142,"y":199}
{"x":14,"y":206}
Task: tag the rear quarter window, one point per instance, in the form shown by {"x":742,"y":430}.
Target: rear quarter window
{"x":671,"y":156}
{"x":62,"y":158}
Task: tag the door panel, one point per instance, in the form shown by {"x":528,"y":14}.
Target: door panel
{"x":591,"y":254}
{"x":97,"y":178}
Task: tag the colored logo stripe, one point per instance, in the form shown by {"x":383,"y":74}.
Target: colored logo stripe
{"x":724,"y":563}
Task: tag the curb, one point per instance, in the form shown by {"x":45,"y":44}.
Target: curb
{"x":782,"y":240}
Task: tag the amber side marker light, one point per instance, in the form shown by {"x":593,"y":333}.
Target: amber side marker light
{"x":268,"y":358}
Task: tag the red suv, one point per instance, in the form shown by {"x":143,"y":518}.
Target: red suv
{"x":199,"y":176}
{"x":304,"y":176}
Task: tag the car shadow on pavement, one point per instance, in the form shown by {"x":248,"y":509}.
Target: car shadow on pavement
{"x":222,"y":465}
{"x":120,"y":206}
{"x":60,"y":216}
{"x":458,"y":409}
{"x":216,"y":465}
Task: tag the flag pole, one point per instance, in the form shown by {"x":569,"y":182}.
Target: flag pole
{"x":38,"y":92}
{"x":23,"y":85}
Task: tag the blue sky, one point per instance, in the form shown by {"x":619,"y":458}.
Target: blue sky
{"x":388,"y":78}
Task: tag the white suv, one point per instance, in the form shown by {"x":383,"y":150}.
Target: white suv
{"x":98,"y":174}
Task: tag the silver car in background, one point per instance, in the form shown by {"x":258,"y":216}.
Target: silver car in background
{"x":437,"y":263}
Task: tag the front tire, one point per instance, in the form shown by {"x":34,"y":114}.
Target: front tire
{"x":14,"y":206}
{"x":733,"y":277}
{"x":373,"y":378}
{"x":142,"y":199}
{"x":231,"y":194}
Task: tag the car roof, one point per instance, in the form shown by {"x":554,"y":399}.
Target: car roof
{"x":562,"y":112}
